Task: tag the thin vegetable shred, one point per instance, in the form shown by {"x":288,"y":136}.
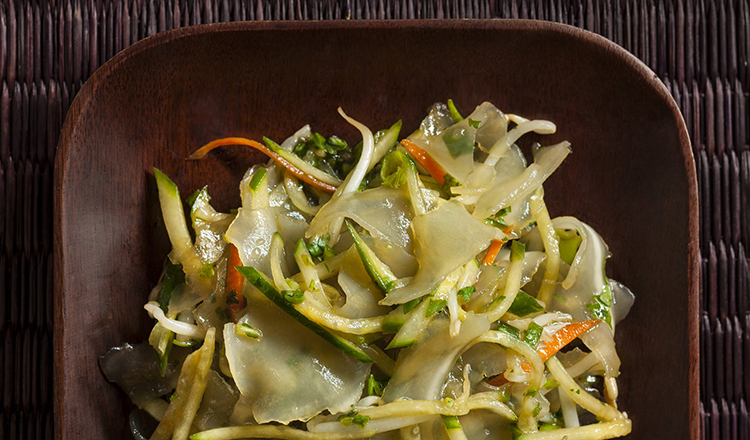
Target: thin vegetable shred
{"x":409,"y":287}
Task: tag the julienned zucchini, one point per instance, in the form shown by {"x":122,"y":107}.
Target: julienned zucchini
{"x":414,"y":326}
{"x":174,"y":220}
{"x":265,"y":286}
{"x":394,"y":320}
{"x":380,"y":273}
{"x":386,"y":141}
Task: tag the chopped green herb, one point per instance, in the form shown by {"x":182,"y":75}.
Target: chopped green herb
{"x":331,"y":155}
{"x":531,"y":392}
{"x":435,"y":306}
{"x":532,"y":334}
{"x":293,"y":296}
{"x":537,"y":409}
{"x":451,"y":422}
{"x":354,"y":418}
{"x":393,"y":171}
{"x":374,"y":386}
{"x":474,"y":123}
{"x":600,"y":306}
{"x":318,"y":245}
{"x":466,"y":292}
{"x":455,"y":115}
{"x":524,"y":305}
{"x":458,"y":141}
{"x":550,"y":384}
{"x":498,"y":220}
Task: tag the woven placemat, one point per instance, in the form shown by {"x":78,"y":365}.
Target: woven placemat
{"x":699,"y":48}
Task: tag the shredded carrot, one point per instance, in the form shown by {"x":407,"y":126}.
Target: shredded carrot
{"x":234,"y":283}
{"x":202,"y":151}
{"x":425,"y":160}
{"x":492,"y":252}
{"x":560,"y":339}
{"x":565,"y":336}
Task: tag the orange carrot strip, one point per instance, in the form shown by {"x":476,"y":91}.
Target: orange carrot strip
{"x":560,"y":339}
{"x":202,"y":151}
{"x":492,"y":252}
{"x":565,"y":336}
{"x":425,"y":160}
{"x":234,"y":283}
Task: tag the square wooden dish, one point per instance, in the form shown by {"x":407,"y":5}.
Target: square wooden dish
{"x":631,"y":175}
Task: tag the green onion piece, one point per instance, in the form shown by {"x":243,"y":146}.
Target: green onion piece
{"x":374,"y":386}
{"x":524,"y":305}
{"x":498,"y":220}
{"x":435,"y":306}
{"x":247,"y":331}
{"x":474,"y":123}
{"x":293,"y":296}
{"x":532,"y":335}
{"x":517,"y":251}
{"x":455,"y":115}
{"x":451,"y":422}
{"x":466,"y":292}
{"x":257,"y":178}
{"x":509,"y":330}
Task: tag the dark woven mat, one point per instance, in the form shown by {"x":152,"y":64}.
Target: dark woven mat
{"x":699,"y":48}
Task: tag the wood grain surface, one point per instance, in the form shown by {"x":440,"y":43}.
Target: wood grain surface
{"x":631,"y":174}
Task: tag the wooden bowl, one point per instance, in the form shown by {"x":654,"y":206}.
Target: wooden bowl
{"x":631,"y":174}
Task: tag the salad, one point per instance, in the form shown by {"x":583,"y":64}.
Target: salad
{"x":405,"y":287}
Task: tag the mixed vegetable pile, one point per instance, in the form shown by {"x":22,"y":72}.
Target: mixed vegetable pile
{"x":411,"y":288}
